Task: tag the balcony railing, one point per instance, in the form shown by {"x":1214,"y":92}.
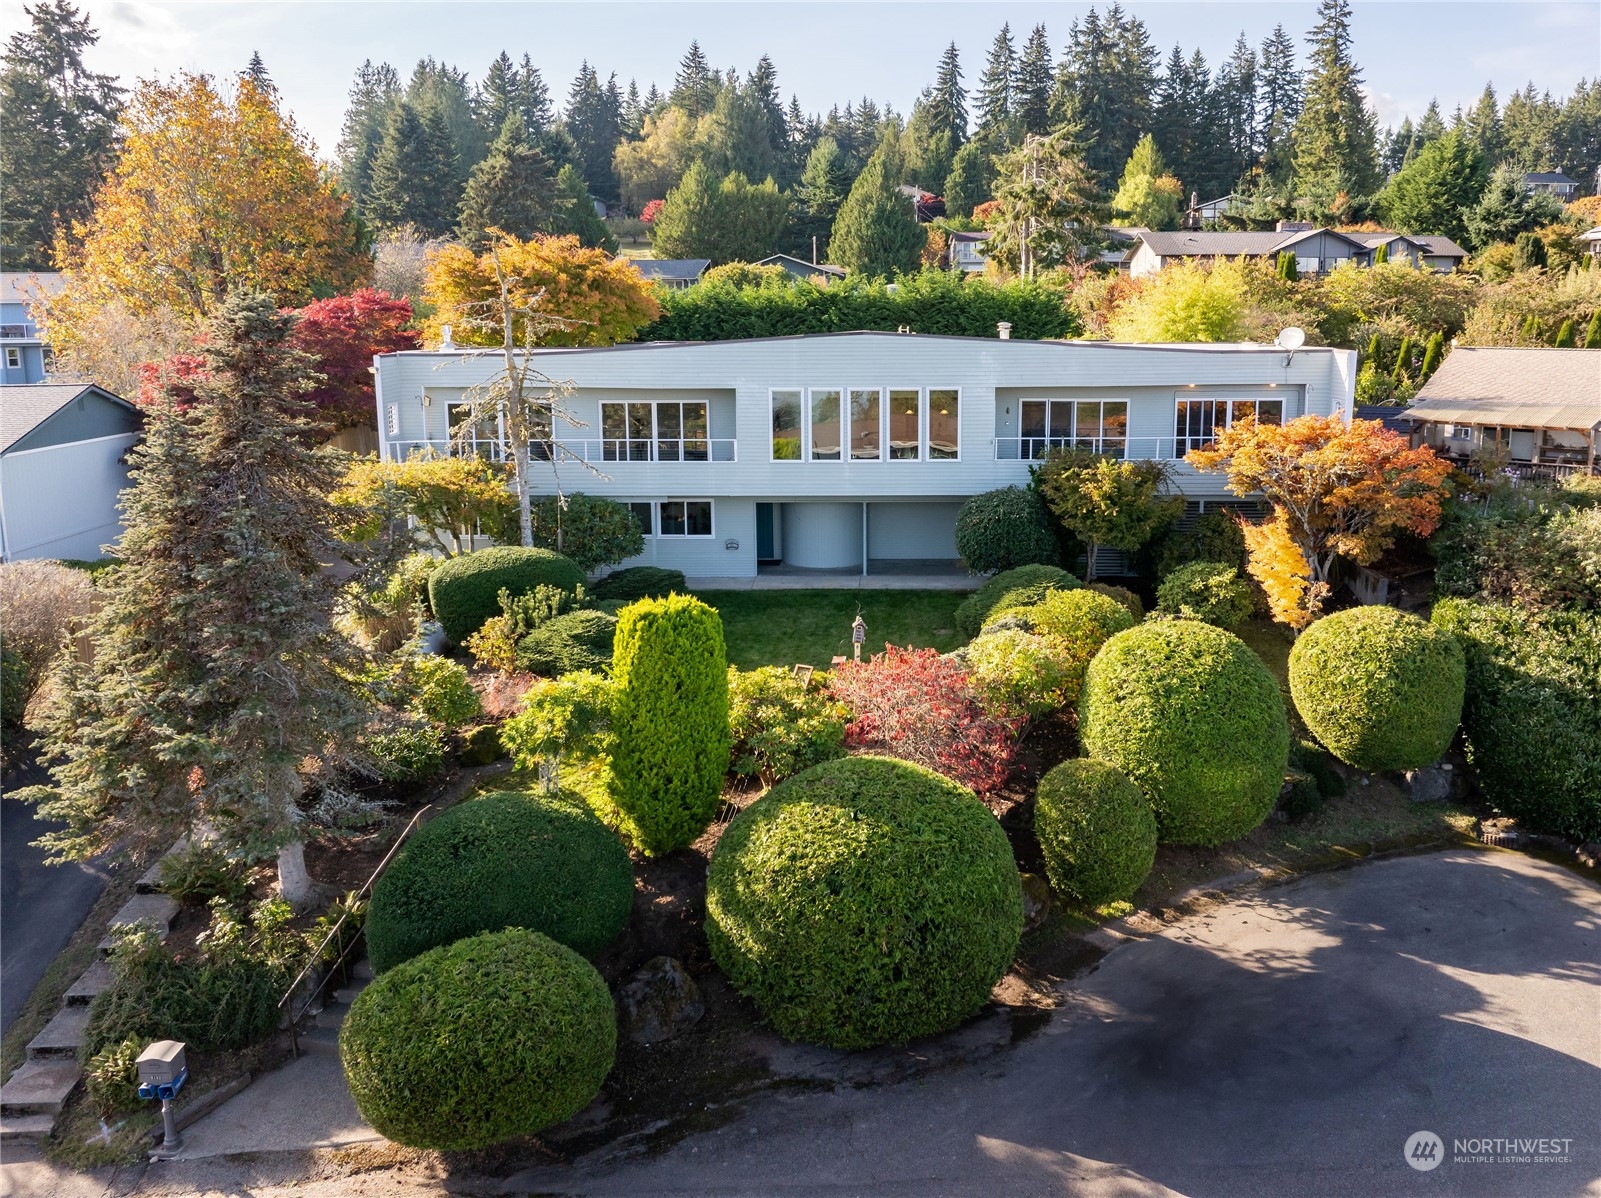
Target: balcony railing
{"x":1027,"y":449}
{"x":603,"y":451}
{"x":17,"y":332}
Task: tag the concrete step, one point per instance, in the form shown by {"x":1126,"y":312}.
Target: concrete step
{"x":150,"y":881}
{"x":26,"y":1127}
{"x":156,"y":911}
{"x":95,"y":979}
{"x":39,"y":1088}
{"x":320,"y":1039}
{"x":331,"y":1016}
{"x":362,"y":970}
{"x":62,"y":1038}
{"x":346,"y":995}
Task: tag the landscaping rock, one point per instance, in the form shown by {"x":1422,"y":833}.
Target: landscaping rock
{"x":1590,"y":854}
{"x":1036,"y":901}
{"x":659,"y":1002}
{"x":481,"y":746}
{"x":1428,"y":785}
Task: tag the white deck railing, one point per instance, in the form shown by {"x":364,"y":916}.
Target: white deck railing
{"x":1027,"y":449}
{"x":600,"y":451}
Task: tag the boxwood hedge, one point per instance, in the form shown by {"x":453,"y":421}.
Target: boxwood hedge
{"x":1211,"y":592}
{"x":494,"y":1036}
{"x":1381,"y":689}
{"x":503,"y":860}
{"x":1005,"y":528}
{"x":465,"y":591}
{"x":976,"y":608}
{"x":865,"y":901}
{"x":1190,"y":714}
{"x":1096,"y":829}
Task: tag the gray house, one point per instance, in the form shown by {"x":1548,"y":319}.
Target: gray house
{"x":799,"y":268}
{"x":676,"y":273}
{"x":24,"y":357}
{"x":1317,"y":251}
{"x":1551,"y":183}
{"x":63,"y":462}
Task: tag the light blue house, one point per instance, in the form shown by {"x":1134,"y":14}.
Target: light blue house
{"x":24,"y":357}
{"x":850,"y":451}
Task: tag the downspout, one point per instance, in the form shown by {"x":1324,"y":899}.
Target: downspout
{"x":864,"y":538}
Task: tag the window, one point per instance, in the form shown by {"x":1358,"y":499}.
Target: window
{"x":1306,"y":266}
{"x":626,"y":430}
{"x":665,"y":431}
{"x":903,"y":431}
{"x":13,"y":357}
{"x":786,"y":426}
{"x":865,"y":432}
{"x":1198,"y":420}
{"x":681,"y":432}
{"x":825,"y":425}
{"x":1099,"y":425}
{"x":686,"y":517}
{"x":394,"y":420}
{"x":645,"y":517}
{"x":944,"y":413}
{"x":471,"y":437}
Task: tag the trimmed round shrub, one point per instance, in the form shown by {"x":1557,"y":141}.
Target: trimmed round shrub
{"x":1003,"y":529}
{"x":506,"y":860}
{"x":669,"y":723}
{"x":975,"y":610}
{"x":1096,"y":829}
{"x":1211,"y":592}
{"x":866,"y":901}
{"x":1076,"y":624}
{"x":579,"y":640}
{"x":491,"y":1037}
{"x":465,"y":591}
{"x":640,"y":582}
{"x":1190,"y":714}
{"x":1017,"y":674}
{"x":1381,"y":689}
{"x":1123,"y":595}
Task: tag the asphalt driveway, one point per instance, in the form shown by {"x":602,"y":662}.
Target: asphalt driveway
{"x":1286,"y":1044}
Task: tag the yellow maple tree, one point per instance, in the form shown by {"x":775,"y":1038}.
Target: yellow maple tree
{"x":1278,"y":564}
{"x":212,"y":192}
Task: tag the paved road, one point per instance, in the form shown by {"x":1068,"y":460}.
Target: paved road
{"x":1287,"y":1044}
{"x":40,"y":906}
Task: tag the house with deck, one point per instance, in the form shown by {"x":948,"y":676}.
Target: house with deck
{"x":849,"y":451}
{"x":1317,"y":251}
{"x":24,"y":357}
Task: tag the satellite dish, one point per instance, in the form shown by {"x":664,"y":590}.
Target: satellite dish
{"x":1291,"y":339}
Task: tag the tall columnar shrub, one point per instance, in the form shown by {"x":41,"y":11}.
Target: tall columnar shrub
{"x":465,"y":591}
{"x":1096,"y":830}
{"x":1195,"y":719}
{"x":865,"y":901}
{"x":491,"y":1037}
{"x":505,"y":860}
{"x":1005,"y":528}
{"x":976,"y":608}
{"x":1381,"y":689}
{"x":670,"y":722}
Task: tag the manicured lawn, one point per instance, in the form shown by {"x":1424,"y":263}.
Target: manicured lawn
{"x":781,"y":628}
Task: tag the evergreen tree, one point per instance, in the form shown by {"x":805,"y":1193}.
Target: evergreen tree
{"x":60,"y":131}
{"x":727,"y":220}
{"x":633,"y":118}
{"x":1528,"y":130}
{"x":1400,"y":146}
{"x":1483,"y":125}
{"x":1433,"y":192}
{"x":1592,"y":331}
{"x":1433,"y":354}
{"x":373,"y":96}
{"x":1528,"y":251}
{"x":1577,"y":137}
{"x":1187,"y":129}
{"x":1504,"y":209}
{"x":575,"y":212}
{"x":1335,"y":138}
{"x":256,"y":71}
{"x":970,"y":180}
{"x":947,"y":101}
{"x":1235,"y":109}
{"x":1147,"y":195}
{"x":442,"y":96}
{"x":218,"y":679}
{"x":594,"y":122}
{"x":413,"y":175}
{"x":1564,"y":335}
{"x":499,"y":95}
{"x":512,"y":189}
{"x":823,"y":186}
{"x":1050,"y":209}
{"x":876,"y":233}
{"x":735,"y":136}
{"x":761,"y":87}
{"x":995,"y":98}
{"x":1107,"y":83}
{"x":1279,"y":107}
{"x":538,"y":112}
{"x":1031,"y":93}
{"x":1431,"y":126}
{"x":695,"y":85}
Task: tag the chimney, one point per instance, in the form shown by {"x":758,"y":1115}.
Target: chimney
{"x":1004,"y":328}
{"x":444,"y":338}
{"x":1295,"y":226}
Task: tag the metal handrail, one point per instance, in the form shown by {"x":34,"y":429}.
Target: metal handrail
{"x":316,"y":954}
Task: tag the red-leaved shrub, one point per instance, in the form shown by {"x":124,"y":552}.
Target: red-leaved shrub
{"x":918,"y":706}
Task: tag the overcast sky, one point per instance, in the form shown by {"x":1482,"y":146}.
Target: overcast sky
{"x":826,"y":53}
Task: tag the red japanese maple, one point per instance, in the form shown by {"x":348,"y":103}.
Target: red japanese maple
{"x":651,"y":210}
{"x":343,"y":334}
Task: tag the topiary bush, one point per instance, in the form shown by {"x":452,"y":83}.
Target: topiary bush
{"x":1096,"y":830}
{"x":1211,"y":592}
{"x":1018,"y":675}
{"x":465,"y":591}
{"x":503,"y":860}
{"x":494,"y":1036}
{"x":640,"y":582}
{"x":1076,"y":623}
{"x":1381,"y":689}
{"x":669,"y":722}
{"x":1123,"y":595}
{"x":1004,"y":529}
{"x":580,"y":640}
{"x":976,"y":608}
{"x":781,"y":725}
{"x":1196,"y":720}
{"x":866,"y":901}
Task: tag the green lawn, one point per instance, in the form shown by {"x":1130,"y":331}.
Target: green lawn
{"x":781,"y":628}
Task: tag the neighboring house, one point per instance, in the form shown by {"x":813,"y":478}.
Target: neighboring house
{"x":1212,"y":210}
{"x":799,"y":268}
{"x":1317,"y":251}
{"x":676,"y":273}
{"x":965,"y":251}
{"x":1592,"y":240}
{"x":24,"y":357}
{"x":854,"y":451}
{"x":1552,"y":182}
{"x":1440,"y":253}
{"x":63,"y":462}
{"x":926,"y":206}
{"x":1536,"y":406}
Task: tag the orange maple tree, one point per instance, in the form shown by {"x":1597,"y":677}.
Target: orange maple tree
{"x":1338,"y":491}
{"x":1277,"y":562}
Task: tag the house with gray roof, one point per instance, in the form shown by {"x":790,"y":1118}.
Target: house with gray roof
{"x":1552,"y":183}
{"x":1538,"y":409}
{"x":1317,"y":251}
{"x":63,"y":464}
{"x":24,"y":357}
{"x":676,"y":273}
{"x":799,"y":268}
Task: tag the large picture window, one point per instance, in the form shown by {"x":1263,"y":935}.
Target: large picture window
{"x":826,"y":423}
{"x":904,"y":436}
{"x":666,"y":431}
{"x":786,"y":426}
{"x":944,"y":423}
{"x":866,"y":417}
{"x":1098,"y":425}
{"x":1199,"y":420}
{"x":685,"y":517}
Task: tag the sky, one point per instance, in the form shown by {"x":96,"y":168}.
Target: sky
{"x":826,"y":53}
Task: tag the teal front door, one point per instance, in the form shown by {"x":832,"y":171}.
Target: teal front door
{"x":764,"y":533}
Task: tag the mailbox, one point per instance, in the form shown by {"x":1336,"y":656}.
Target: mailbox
{"x":161,"y":1063}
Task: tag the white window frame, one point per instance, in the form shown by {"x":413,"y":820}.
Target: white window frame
{"x":711,"y":515}
{"x":927,"y":438}
{"x":922,"y":422}
{"x":805,"y":424}
{"x":849,"y":405}
{"x":1073,"y":438}
{"x":13,"y":357}
{"x":842,"y":398}
{"x":1185,"y":397}
{"x":654,"y":441}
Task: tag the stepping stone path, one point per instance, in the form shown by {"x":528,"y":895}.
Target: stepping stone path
{"x":33,"y":1096}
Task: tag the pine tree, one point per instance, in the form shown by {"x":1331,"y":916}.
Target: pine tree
{"x":947,"y":101}
{"x":538,"y":113}
{"x":594,"y":121}
{"x":823,"y":186}
{"x":1147,"y":195}
{"x":1483,"y":125}
{"x":995,"y":99}
{"x":762,"y":88}
{"x":1279,"y":107}
{"x":1431,"y":126}
{"x":1335,"y":137}
{"x":1235,"y":104}
{"x":1433,"y":353}
{"x":1432,"y":193}
{"x":1107,"y":83}
{"x":876,"y":233}
{"x":375,"y":92}
{"x":442,"y":95}
{"x":694,"y":86}
{"x":1031,"y":91}
{"x":1403,"y":360}
{"x":499,"y":95}
{"x":1504,"y":209}
{"x":256,"y":71}
{"x":575,"y":212}
{"x":60,"y":131}
{"x":513,"y":189}
{"x":970,"y":180}
{"x":1050,"y":209}
{"x":218,"y":677}
{"x":412,"y":180}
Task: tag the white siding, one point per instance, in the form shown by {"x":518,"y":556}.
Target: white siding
{"x":61,"y":501}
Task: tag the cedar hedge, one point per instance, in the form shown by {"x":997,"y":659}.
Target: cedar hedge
{"x":579,"y":640}
{"x":1194,"y":718}
{"x":669,"y":723}
{"x":866,"y":901}
{"x":500,"y":861}
{"x":640,"y":582}
{"x":1381,"y":689}
{"x":975,"y":610}
{"x":465,"y":591}
{"x":1096,"y":830}
{"x":475,"y":1042}
{"x":1003,"y":529}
